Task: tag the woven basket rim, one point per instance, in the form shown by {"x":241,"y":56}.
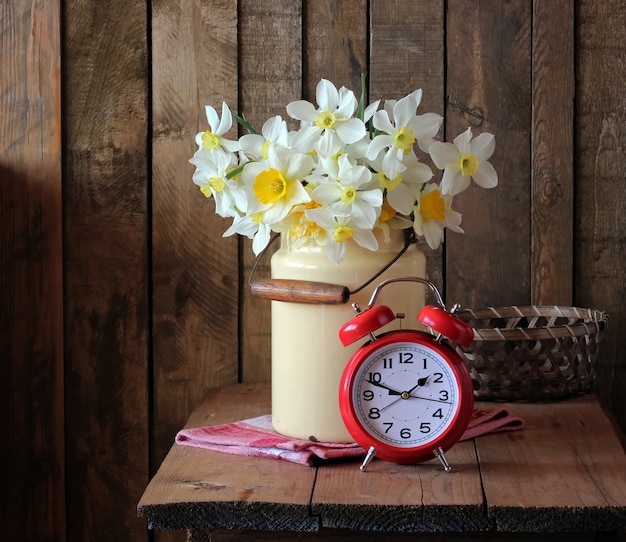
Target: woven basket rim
{"x":588,"y":322}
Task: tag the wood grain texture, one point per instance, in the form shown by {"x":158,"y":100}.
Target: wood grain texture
{"x":557,"y":478}
{"x":394,"y":498}
{"x":489,"y":89}
{"x":335,"y":41}
{"x":560,"y":473}
{"x":343,"y":535}
{"x":31,"y":273}
{"x":552,"y":165}
{"x":106,"y":273}
{"x":271,"y":55}
{"x":195,"y":271}
{"x":238,"y":489}
{"x":407,"y":53}
{"x":600,"y":226}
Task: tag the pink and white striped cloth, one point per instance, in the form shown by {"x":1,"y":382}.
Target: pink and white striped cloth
{"x":256,"y":437}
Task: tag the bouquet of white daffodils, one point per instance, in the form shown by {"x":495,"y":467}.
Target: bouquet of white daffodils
{"x":347,"y":170}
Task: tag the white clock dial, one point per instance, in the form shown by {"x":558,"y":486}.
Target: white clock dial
{"x":405,"y":394}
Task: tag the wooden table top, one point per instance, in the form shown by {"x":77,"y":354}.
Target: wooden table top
{"x":565,"y":471}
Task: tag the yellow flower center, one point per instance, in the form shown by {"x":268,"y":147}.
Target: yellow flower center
{"x":270,"y":185}
{"x":468,"y":165}
{"x":342,"y":233}
{"x":432,"y":206}
{"x":325,"y":120}
{"x":217,"y":183}
{"x":302,"y":227}
{"x":210,"y":141}
{"x":265,"y":148}
{"x":257,"y":217}
{"x":206,"y":190}
{"x":404,"y":139}
{"x":386,"y":182}
{"x":387,"y":212}
{"x":348,"y":195}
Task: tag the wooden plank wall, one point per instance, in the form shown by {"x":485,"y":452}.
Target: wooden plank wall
{"x":121,"y":302}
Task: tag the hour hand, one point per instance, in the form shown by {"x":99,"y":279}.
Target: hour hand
{"x":391,"y":392}
{"x":421,"y":382}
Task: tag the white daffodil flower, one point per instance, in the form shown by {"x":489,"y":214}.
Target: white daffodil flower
{"x":401,"y":130}
{"x":273,"y":132}
{"x":340,"y":230}
{"x":343,"y":194}
{"x":433,"y":213}
{"x":277,"y":183}
{"x":346,"y":172}
{"x":213,"y":139}
{"x":211,"y":175}
{"x":399,"y":191}
{"x":464,"y":160}
{"x":331,"y":123}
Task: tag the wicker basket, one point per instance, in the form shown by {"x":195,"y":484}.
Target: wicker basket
{"x":532,"y":353}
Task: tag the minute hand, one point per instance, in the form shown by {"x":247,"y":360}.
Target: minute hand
{"x":391,"y":392}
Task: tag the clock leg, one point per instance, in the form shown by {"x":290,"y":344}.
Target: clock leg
{"x":442,"y":458}
{"x":370,"y":455}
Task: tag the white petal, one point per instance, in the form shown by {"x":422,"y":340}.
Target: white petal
{"x":379,"y":143}
{"x":302,"y":110}
{"x":462,"y":142}
{"x":433,"y":233}
{"x":366,"y":239}
{"x":326,"y":95}
{"x":381,"y":122}
{"x":350,"y":131}
{"x":486,"y":176}
{"x":304,"y":140}
{"x":212,"y":118}
{"x":226,"y":122}
{"x":453,"y":182}
{"x":483,"y":145}
{"x":370,"y":110}
{"x":261,"y":239}
{"x":335,"y":251}
{"x":401,"y":199}
{"x":404,"y":110}
{"x":443,"y":154}
{"x":426,"y":126}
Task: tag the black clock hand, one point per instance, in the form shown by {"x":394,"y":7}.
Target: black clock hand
{"x":391,"y":392}
{"x":407,"y":394}
{"x":421,"y":382}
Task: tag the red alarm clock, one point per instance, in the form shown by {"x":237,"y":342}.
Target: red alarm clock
{"x":406,"y":396}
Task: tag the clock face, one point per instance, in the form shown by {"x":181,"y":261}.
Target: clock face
{"x":406,"y":397}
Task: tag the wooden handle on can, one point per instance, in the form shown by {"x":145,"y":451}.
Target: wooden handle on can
{"x":301,"y":291}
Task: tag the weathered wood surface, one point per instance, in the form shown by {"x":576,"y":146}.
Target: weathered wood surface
{"x":600,"y":199}
{"x":106,"y":223}
{"x":564,"y":471}
{"x":31,"y":273}
{"x":151,"y":291}
{"x":211,"y":492}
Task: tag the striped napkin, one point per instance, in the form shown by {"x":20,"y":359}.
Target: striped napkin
{"x":255,"y":437}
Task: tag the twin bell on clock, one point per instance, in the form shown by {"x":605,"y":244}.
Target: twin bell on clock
{"x":405,"y":395}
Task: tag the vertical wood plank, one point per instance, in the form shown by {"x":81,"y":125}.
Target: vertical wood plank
{"x":106,"y":180}
{"x":552,"y":165}
{"x":335,"y":44}
{"x":31,"y":280}
{"x":270,"y":41}
{"x":600,"y":226}
{"x":195,"y":271}
{"x":489,"y":89}
{"x":407,"y":53}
